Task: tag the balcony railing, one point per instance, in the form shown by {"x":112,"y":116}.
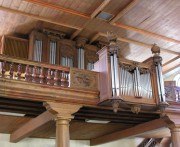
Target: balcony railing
{"x":46,"y":74}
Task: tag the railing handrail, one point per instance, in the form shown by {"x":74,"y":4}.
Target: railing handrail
{"x":32,"y":63}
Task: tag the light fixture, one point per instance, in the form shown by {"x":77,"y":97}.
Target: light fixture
{"x":97,"y":121}
{"x":12,"y":114}
{"x":104,"y":16}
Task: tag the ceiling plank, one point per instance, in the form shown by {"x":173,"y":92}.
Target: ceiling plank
{"x":134,"y":131}
{"x":124,"y":11}
{"x":39,"y":18}
{"x":172,"y":60}
{"x":166,"y":71}
{"x":146,"y":45}
{"x":58,"y":8}
{"x":141,"y":31}
{"x":28,"y":128}
{"x":100,"y":8}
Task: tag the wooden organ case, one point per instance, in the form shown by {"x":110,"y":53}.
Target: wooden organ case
{"x":130,"y":84}
{"x":51,"y":47}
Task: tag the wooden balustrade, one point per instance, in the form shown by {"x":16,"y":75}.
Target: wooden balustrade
{"x":35,"y":72}
{"x":47,"y":74}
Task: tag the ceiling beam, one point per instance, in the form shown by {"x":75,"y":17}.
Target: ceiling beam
{"x":134,"y":131}
{"x":141,"y":31}
{"x":172,"y":60}
{"x":76,"y":33}
{"x":124,"y":11}
{"x":146,"y":45}
{"x":100,"y":8}
{"x":28,"y":128}
{"x":170,"y":69}
{"x":95,"y":37}
{"x":58,"y":8}
{"x":39,"y":18}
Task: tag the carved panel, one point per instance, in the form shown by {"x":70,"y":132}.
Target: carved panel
{"x":83,"y":79}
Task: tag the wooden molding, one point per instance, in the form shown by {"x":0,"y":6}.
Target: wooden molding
{"x":58,"y":8}
{"x":148,"y":46}
{"x":100,"y":8}
{"x":124,"y":11}
{"x":141,"y":31}
{"x":39,"y":18}
{"x":172,"y":60}
{"x":134,"y":131}
{"x":28,"y":128}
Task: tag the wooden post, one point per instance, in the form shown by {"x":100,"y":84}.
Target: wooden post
{"x":175,"y":135}
{"x":63,"y":115}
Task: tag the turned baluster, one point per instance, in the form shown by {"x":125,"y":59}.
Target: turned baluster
{"x":66,"y":79}
{"x":56,"y":77}
{"x":11,"y":71}
{"x":3,"y":68}
{"x":63,"y":80}
{"x":19,"y":72}
{"x":34,"y":74}
{"x":41,"y":76}
{"x":27,"y":74}
{"x":49,"y":76}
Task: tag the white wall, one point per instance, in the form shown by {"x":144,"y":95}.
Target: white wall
{"x":34,"y":142}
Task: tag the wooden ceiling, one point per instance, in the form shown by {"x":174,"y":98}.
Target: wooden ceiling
{"x":137,"y":23}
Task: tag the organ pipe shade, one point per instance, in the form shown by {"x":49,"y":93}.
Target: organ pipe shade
{"x":90,"y":66}
{"x":66,"y":61}
{"x":80,"y":54}
{"x":38,"y":50}
{"x":52,"y":52}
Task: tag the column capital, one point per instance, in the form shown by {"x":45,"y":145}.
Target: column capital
{"x":62,"y":111}
{"x":81,"y":41}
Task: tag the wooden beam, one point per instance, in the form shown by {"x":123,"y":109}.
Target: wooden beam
{"x":146,"y":45}
{"x":100,"y":8}
{"x":124,"y":11}
{"x":28,"y":128}
{"x":39,"y":18}
{"x":134,"y":131}
{"x":94,"y":38}
{"x":166,"y":71}
{"x":172,"y":60}
{"x":141,"y":31}
{"x":76,"y":33}
{"x":58,"y":8}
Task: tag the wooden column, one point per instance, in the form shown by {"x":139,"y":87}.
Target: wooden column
{"x":173,"y":122}
{"x":63,"y":115}
{"x":175,"y":135}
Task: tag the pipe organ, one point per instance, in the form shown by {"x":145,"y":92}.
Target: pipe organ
{"x":80,"y":58}
{"x":127,"y":83}
{"x":38,"y":47}
{"x":52,"y":52}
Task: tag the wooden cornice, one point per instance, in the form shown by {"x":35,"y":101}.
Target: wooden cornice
{"x":134,"y":131}
{"x":58,"y":8}
{"x":28,"y":128}
{"x":141,"y":31}
{"x":39,"y":18}
{"x":124,"y":11}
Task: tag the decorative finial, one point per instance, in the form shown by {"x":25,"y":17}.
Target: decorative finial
{"x":155,"y":49}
